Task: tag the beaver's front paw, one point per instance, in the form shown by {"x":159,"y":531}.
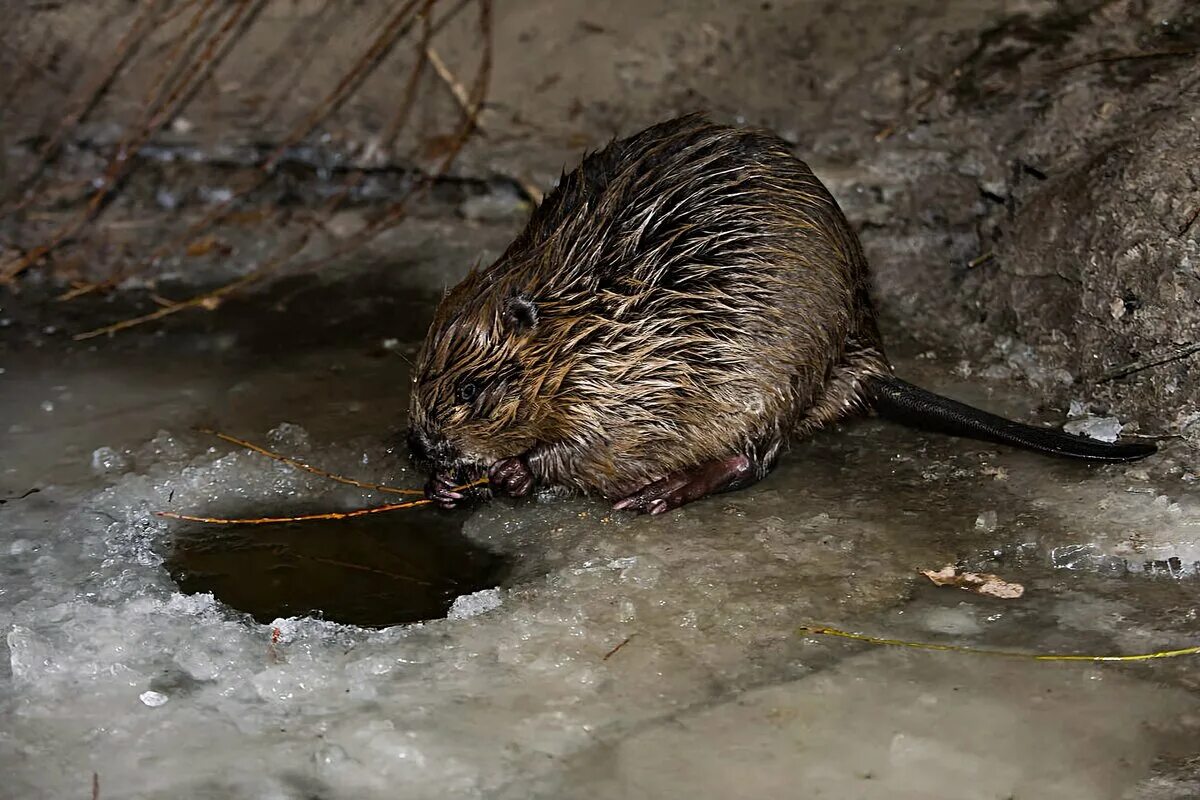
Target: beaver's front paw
{"x":440,"y":490}
{"x":511,"y":476}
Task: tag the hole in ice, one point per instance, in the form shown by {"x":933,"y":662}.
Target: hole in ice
{"x":373,"y":571}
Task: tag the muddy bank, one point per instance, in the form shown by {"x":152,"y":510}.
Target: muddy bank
{"x":1022,"y":173}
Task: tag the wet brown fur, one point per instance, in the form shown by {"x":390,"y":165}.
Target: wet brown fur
{"x":687,"y":294}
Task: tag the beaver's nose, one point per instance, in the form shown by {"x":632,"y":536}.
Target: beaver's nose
{"x":429,"y":449}
{"x":418,"y":445}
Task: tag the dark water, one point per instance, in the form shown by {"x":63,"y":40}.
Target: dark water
{"x":373,"y":571}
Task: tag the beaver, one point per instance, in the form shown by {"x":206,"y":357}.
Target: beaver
{"x":683,"y":304}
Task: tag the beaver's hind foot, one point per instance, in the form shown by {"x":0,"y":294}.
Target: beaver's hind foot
{"x":687,"y":485}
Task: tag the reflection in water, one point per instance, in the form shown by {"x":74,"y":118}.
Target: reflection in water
{"x":372,"y":571}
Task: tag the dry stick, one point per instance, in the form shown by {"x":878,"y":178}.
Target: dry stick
{"x":289,"y":62}
{"x":208,"y":299}
{"x":981,"y":259}
{"x":393,"y":215}
{"x":1190,"y":221}
{"x":194,"y":76}
{"x":301,"y":518}
{"x":122,"y":161}
{"x":613,"y":652}
{"x":149,"y":104}
{"x":400,"y":119}
{"x":332,"y":515}
{"x":1108,"y":59}
{"x":333,"y":100}
{"x":390,"y":218}
{"x":1178,"y":354}
{"x":396,"y":576}
{"x":91,"y":96}
{"x":951,"y":648}
{"x":291,"y":462}
{"x":84,"y":184}
{"x":456,"y":88}
{"x":382,"y":45}
{"x":29,"y":64}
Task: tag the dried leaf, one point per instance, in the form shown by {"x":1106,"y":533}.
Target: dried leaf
{"x":977,"y":582}
{"x":201,"y":247}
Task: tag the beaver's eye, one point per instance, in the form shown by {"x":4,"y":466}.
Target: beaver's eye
{"x":467,"y":392}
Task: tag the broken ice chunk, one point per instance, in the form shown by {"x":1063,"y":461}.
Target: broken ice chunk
{"x":986,"y":521}
{"x":153,"y":699}
{"x":290,"y":435}
{"x":106,"y":460}
{"x":1105,"y":429}
{"x":472,"y":605}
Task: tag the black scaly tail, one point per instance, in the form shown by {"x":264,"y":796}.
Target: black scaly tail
{"x":902,"y":402}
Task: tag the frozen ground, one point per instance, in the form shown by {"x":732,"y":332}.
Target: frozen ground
{"x":620,"y":656}
{"x":598,"y":655}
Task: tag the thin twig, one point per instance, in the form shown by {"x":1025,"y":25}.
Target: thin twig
{"x":206,"y":300}
{"x":123,"y":160}
{"x":124,"y":48}
{"x":396,"y":576}
{"x":362,"y":512}
{"x":391,"y":217}
{"x":396,"y":27}
{"x":300,"y":518}
{"x":981,"y":259}
{"x":1110,"y":58}
{"x":1178,"y":354}
{"x":456,"y":88}
{"x":291,"y":462}
{"x":399,"y":209}
{"x":1190,"y":221}
{"x":951,"y":648}
{"x":400,"y":119}
{"x":613,"y":652}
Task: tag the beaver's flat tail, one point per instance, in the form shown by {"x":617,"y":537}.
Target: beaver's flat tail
{"x":911,"y":405}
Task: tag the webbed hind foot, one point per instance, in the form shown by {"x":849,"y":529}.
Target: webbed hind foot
{"x":686,"y":485}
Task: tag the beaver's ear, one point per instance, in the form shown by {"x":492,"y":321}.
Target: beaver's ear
{"x":520,"y":312}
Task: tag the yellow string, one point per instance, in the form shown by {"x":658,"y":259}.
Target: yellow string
{"x":951,"y":648}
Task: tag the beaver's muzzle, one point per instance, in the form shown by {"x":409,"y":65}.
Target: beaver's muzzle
{"x":430,"y":451}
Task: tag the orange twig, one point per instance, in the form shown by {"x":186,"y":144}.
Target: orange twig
{"x":392,"y":216}
{"x":291,"y":462}
{"x":332,"y":515}
{"x":396,"y":27}
{"x":383,"y":43}
{"x":121,"y":52}
{"x":300,"y":518}
{"x":399,"y":209}
{"x":121,"y":163}
{"x":208,"y":299}
{"x":400,"y":119}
